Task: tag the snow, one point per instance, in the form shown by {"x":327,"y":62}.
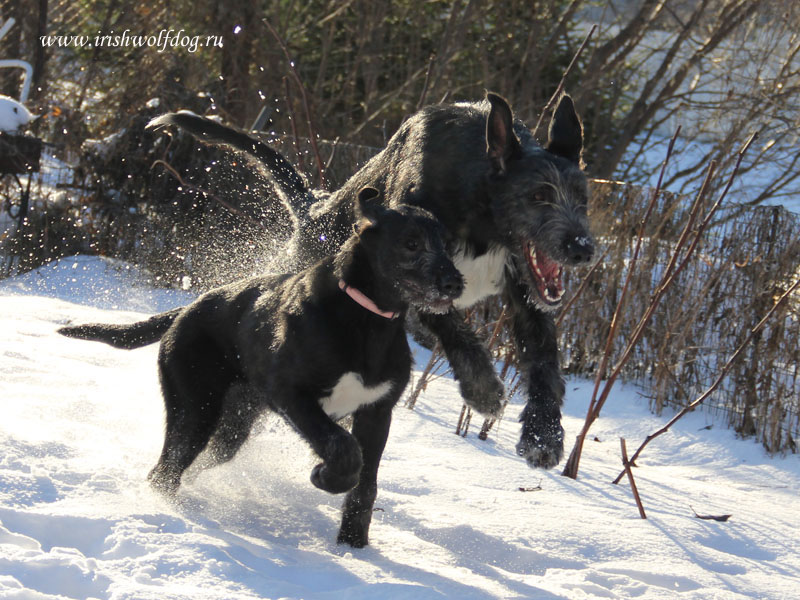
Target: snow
{"x":745,"y":188}
{"x":82,"y":425}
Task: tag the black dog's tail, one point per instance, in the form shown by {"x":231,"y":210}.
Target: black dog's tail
{"x":291,"y":187}
{"x":127,"y":337}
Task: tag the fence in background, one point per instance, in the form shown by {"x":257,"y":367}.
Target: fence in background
{"x":746,"y":261}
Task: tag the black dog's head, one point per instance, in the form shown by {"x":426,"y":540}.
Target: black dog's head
{"x":405,"y":250}
{"x":539,"y":196}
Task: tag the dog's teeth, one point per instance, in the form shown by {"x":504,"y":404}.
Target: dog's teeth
{"x":550,"y":297}
{"x":535,"y":262}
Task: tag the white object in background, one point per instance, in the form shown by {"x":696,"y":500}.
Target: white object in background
{"x":13,"y":114}
{"x":6,"y":26}
{"x":16,"y":63}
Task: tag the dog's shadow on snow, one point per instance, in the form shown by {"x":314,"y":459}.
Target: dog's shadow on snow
{"x":279,"y":530}
{"x":292,"y":544}
{"x":491,"y":557}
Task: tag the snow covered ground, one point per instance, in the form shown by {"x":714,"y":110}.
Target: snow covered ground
{"x":82,"y":423}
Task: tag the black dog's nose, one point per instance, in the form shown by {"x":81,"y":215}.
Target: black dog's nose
{"x":580,"y":250}
{"x":450,"y":282}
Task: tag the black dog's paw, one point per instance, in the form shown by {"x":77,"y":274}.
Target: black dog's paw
{"x":542,"y":441}
{"x":165,"y":481}
{"x":353,"y":537}
{"x":333,"y":483}
{"x":484,"y":394}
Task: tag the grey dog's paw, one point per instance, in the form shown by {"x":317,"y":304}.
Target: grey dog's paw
{"x":541,"y":443}
{"x":484,"y":395}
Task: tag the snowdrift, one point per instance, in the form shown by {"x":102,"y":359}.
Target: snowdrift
{"x":82,"y":424}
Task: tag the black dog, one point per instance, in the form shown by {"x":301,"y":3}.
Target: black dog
{"x":515,"y":215}
{"x":313,"y":347}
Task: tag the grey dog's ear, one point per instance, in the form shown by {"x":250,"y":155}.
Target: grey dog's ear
{"x":368,"y":207}
{"x":502,"y":144}
{"x":565,"y":136}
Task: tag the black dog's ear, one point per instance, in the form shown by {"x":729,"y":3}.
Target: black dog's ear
{"x":565,"y":137}
{"x":502,"y":144}
{"x":368,"y":208}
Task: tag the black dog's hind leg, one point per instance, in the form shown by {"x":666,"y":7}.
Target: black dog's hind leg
{"x":542,"y":439}
{"x":194,"y":379}
{"x":338,"y":450}
{"x":472,"y":365}
{"x":371,"y":429}
{"x":239,"y":411}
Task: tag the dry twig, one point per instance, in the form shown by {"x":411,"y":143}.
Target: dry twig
{"x":571,"y":467}
{"x":436,"y":357}
{"x":312,"y":133}
{"x":670,"y":273}
{"x":634,"y":489}
{"x":723,"y":372}
{"x":560,"y":88}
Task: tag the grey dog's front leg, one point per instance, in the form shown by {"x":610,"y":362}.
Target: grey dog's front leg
{"x":542,"y":438}
{"x":472,"y":365}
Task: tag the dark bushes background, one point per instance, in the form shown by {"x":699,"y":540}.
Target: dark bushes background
{"x":196,"y":216}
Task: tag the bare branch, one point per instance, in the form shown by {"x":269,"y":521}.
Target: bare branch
{"x":631,"y":480}
{"x":560,"y":88}
{"x":571,"y":467}
{"x":720,"y":377}
{"x":312,"y":132}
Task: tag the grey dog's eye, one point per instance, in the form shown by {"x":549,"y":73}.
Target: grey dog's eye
{"x":412,"y":244}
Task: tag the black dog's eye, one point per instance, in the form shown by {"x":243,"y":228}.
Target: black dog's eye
{"x":412,"y":244}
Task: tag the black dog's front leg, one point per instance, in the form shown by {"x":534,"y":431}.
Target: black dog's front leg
{"x":472,"y":365}
{"x":542,"y":439}
{"x":371,"y":429}
{"x":338,"y":449}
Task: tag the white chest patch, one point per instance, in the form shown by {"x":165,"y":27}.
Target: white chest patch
{"x":349,"y":394}
{"x":483,"y":275}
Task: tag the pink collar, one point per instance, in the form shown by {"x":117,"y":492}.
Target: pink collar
{"x":359,"y":297}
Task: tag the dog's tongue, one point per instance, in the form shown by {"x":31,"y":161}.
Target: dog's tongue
{"x":547,"y":274}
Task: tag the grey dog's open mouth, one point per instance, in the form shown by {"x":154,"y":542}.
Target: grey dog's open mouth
{"x":546,"y":274}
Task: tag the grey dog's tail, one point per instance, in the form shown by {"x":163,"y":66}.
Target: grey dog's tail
{"x":291,"y":186}
{"x":128,"y":337}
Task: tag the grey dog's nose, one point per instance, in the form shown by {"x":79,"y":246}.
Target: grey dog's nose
{"x":580,"y":249}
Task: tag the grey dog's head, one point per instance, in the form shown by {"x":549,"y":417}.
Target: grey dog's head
{"x":539,"y":197}
{"x":405,"y":246}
